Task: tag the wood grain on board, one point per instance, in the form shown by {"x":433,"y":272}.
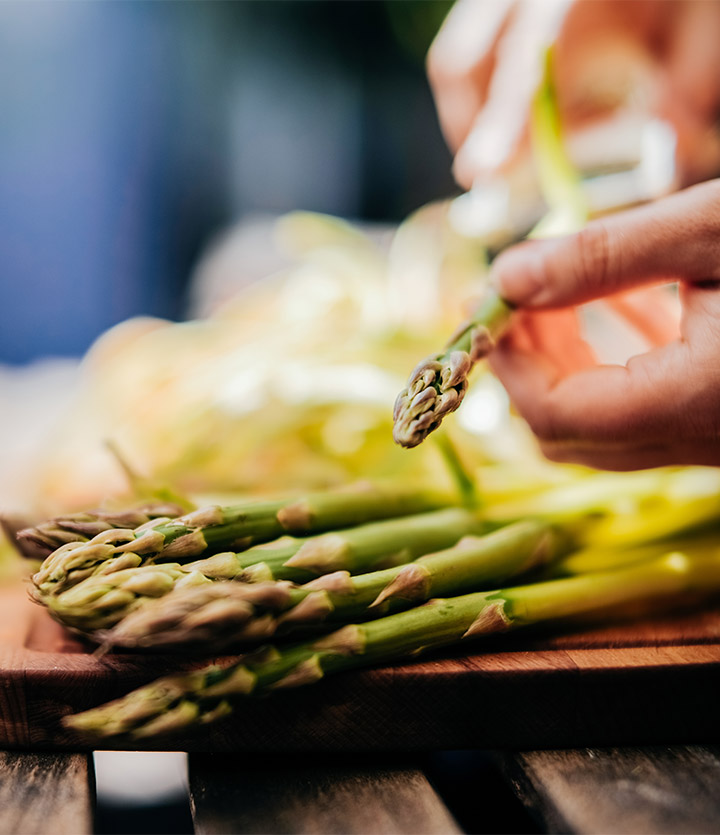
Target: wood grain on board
{"x":645,"y":682}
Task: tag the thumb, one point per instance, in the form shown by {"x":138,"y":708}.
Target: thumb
{"x":676,"y":237}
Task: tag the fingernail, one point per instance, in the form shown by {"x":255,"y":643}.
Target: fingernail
{"x":517,"y":275}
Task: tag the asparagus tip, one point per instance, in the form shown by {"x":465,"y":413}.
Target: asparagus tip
{"x":435,"y":389}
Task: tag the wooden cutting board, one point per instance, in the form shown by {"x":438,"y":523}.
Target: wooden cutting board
{"x":650,"y":681}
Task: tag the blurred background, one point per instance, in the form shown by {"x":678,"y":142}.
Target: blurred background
{"x":132,"y":135}
{"x":133,"y":132}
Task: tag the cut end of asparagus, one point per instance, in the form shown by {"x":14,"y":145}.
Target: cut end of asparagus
{"x":435,"y":389}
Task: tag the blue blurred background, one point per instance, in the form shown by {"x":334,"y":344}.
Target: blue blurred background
{"x":131,"y":132}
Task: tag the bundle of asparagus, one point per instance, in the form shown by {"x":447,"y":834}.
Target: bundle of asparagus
{"x":116,"y":589}
{"x":366,"y":575}
{"x":227,"y":613}
{"x":95,"y":597}
{"x":214,"y":529}
{"x":178,"y":702}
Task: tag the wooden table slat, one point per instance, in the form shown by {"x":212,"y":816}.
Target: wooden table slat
{"x":42,"y":792}
{"x":301,"y":794}
{"x":626,"y":791}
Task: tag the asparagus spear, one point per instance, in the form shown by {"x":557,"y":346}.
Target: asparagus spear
{"x":39,"y":541}
{"x":99,"y":601}
{"x":118,"y":586}
{"x":438,"y":384}
{"x":214,"y":529}
{"x":192,"y":615}
{"x":357,"y":550}
{"x":177,"y":702}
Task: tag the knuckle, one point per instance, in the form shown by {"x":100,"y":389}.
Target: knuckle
{"x":594,"y":258}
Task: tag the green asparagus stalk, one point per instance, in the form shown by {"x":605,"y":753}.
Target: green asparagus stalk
{"x":118,"y":585}
{"x":356,"y":550}
{"x":191,"y":616}
{"x":598,"y":558}
{"x":438,"y":384}
{"x":636,"y":509}
{"x":178,"y":702}
{"x":39,"y":541}
{"x":214,"y":529}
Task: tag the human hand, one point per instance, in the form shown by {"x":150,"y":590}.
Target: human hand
{"x":657,"y":55}
{"x":663,"y":406}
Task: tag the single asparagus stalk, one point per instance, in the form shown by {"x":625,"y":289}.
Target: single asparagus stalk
{"x":438,"y":384}
{"x":594,"y":558}
{"x":39,"y":541}
{"x":178,"y":702}
{"x":118,"y":585}
{"x":632,"y":510}
{"x":357,"y":550}
{"x":214,"y":529}
{"x":191,"y":616}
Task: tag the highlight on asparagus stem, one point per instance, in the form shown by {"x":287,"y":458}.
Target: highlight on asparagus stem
{"x":175,"y":703}
{"x":214,"y":529}
{"x":39,"y":541}
{"x":438,"y":384}
{"x":475,"y":562}
{"x":117,"y":586}
{"x":639,"y":507}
